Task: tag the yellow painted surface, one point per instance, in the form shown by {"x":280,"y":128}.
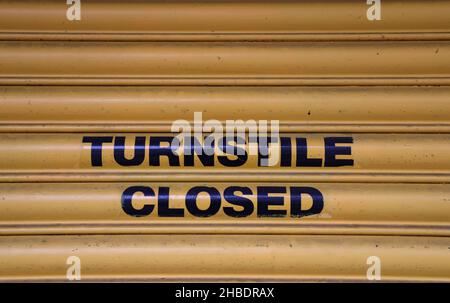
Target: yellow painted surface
{"x":224,"y":20}
{"x":376,"y":157}
{"x":224,"y":258}
{"x":225,"y":63}
{"x":128,"y":69}
{"x":80,"y":208}
{"x":301,"y":109}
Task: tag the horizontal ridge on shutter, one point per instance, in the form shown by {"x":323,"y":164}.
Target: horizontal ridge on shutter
{"x":225,"y":63}
{"x":91,"y":208}
{"x":370,"y":157}
{"x":224,"y":258}
{"x":149,"y":108}
{"x":140,"y":20}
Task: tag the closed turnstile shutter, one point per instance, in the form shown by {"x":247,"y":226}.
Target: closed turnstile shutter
{"x":86,"y":114}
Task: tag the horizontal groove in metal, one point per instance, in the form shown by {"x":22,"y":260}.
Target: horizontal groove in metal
{"x":225,"y":258}
{"x":225,"y":20}
{"x":246,"y":63}
{"x":377,"y":157}
{"x":315,"y":109}
{"x":96,"y":208}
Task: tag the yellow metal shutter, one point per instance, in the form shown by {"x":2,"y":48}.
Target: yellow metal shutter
{"x":377,"y":90}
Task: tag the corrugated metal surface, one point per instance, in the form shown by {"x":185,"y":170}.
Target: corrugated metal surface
{"x":225,"y":20}
{"x":391,"y":209}
{"x":364,"y":114}
{"x":218,"y":257}
{"x":257,"y":63}
{"x":420,"y":109}
{"x":370,"y":157}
